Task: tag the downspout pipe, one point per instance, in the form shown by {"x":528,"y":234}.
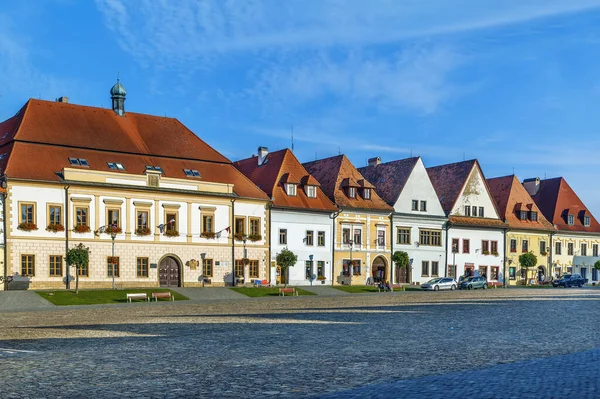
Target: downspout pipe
{"x":504,"y":284}
{"x":550,"y":252}
{"x":231,"y":234}
{"x":392,"y":266}
{"x":67,"y":282}
{"x":333,"y":216}
{"x":4,"y":197}
{"x":269,"y":237}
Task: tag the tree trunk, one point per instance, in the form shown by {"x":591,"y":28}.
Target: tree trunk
{"x":76,"y":281}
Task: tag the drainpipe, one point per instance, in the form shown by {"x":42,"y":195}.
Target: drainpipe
{"x":231,"y":233}
{"x":391,"y":248}
{"x":333,"y":216}
{"x":66,"y":234}
{"x":269,"y":206}
{"x":4,"y":197}
{"x":550,"y":250}
{"x":504,"y":263}
{"x":447,"y":253}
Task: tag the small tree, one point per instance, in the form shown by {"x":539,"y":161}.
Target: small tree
{"x":285,"y":259}
{"x":526,"y":261}
{"x":597,"y":265}
{"x":400,"y":258}
{"x":79,"y":256}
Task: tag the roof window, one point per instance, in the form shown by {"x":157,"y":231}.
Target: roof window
{"x":79,"y":162}
{"x":154,"y":168}
{"x":115,"y":166}
{"x":191,"y":172}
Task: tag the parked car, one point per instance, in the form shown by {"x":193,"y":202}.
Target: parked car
{"x":472,"y":283}
{"x":441,"y":283}
{"x":569,"y":280}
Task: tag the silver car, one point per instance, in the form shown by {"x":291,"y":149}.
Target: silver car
{"x":440,"y":283}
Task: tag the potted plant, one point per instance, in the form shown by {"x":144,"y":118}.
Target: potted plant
{"x":82,"y":228}
{"x":53,"y":227}
{"x":255,"y":237}
{"x":485,"y":252}
{"x":172,"y":233}
{"x":142,"y":231}
{"x":208,"y":234}
{"x":27,"y":226}
{"x":113,"y":229}
{"x":495,"y":253}
{"x":239,"y":236}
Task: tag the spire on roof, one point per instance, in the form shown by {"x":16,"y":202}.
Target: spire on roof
{"x":117,"y":94}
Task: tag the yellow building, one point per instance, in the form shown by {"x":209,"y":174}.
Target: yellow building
{"x":361,"y":226}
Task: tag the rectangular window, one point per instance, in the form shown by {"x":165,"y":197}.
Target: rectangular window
{"x":207,"y":224}
{"x":112,"y":264}
{"x":455,"y":245}
{"x":308,"y":266}
{"x":430,"y":237}
{"x":466,"y":246}
{"x":423,"y":206}
{"x":558,"y":248}
{"x":485,"y":247}
{"x":253,"y":269}
{"x":512,"y":273}
{"x":513,"y":245}
{"x":543,"y":249}
{"x":534,"y":217}
{"x":207,"y":267}
{"x":255,"y":227}
{"x":523,"y":215}
{"x":571,"y":220}
{"x":357,"y":236}
{"x":239,"y":268}
{"x":483,"y":271}
{"x":27,"y":265}
{"x":583,"y":249}
{"x":495,"y":271}
{"x":367,"y":193}
{"x":282,"y":236}
{"x":415,"y":205}
{"x":113,"y":217}
{"x":352,"y":192}
{"x":346,"y":236}
{"x":467,"y":210}
{"x":321,"y":238}
{"x":595,"y":250}
{"x":524,"y":246}
{"x":290,"y":189}
{"x":171,"y":218}
{"x":55,"y":265}
{"x":240,"y":226}
{"x":570,"y":248}
{"x":55,"y":214}
{"x":474,"y":211}
{"x":402,"y":235}
{"x":481,"y":212}
{"x":494,"y":248}
{"x":381,"y":238}
{"x":142,"y":220}
{"x":320,"y":268}
{"x":311,"y":191}
{"x":425,"y":268}
{"x":83,"y":271}
{"x":586,"y":221}
{"x":142,"y":267}
{"x":435,"y":268}
{"x":27,"y":213}
{"x":452,"y":271}
{"x":81,"y":216}
{"x":309,"y":237}
{"x":353,"y":266}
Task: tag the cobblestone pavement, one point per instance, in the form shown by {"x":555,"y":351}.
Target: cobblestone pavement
{"x":22,"y":300}
{"x":208,"y":293}
{"x":482,"y":344}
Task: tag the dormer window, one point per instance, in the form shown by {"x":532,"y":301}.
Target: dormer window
{"x":534,"y":216}
{"x":571,"y":220}
{"x":311,"y":191}
{"x":586,"y":221}
{"x":154,"y":168}
{"x":290,"y":189}
{"x":367,"y":193}
{"x":191,"y":172}
{"x":523,"y":215}
{"x":79,"y":162}
{"x":115,"y":166}
{"x":352,"y":192}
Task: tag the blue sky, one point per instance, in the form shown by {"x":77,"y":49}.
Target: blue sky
{"x":514,"y":83}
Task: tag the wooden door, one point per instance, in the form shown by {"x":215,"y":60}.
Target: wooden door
{"x":168,"y":272}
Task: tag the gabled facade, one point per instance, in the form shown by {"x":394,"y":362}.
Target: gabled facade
{"x":299,"y":216}
{"x":475,"y":233}
{"x":528,"y":230}
{"x":155,"y":204}
{"x":574,"y":248}
{"x":361,"y":226}
{"x":418,"y":220}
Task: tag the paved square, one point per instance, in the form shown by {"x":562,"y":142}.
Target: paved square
{"x":512,"y":343}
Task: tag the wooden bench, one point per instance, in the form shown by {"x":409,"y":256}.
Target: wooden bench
{"x":137,"y":295}
{"x":397,"y":287}
{"x":162,"y":295}
{"x":292,"y":291}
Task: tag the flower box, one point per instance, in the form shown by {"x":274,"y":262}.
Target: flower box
{"x":544,"y":253}
{"x":82,"y":228}
{"x":113,"y":260}
{"x":255,"y":237}
{"x":142,"y":231}
{"x":321,"y":278}
{"x":113,"y":230}
{"x":55,"y":227}
{"x":172,"y":233}
{"x":485,"y":252}
{"x":208,"y":234}
{"x":27,"y":226}
{"x":239,"y":236}
{"x":495,"y":253}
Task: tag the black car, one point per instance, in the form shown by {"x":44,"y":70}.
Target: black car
{"x":570,"y":280}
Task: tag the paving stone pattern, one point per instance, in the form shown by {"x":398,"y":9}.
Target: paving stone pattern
{"x":480,"y":344}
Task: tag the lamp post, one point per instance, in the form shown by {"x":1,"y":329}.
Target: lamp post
{"x":202,"y":256}
{"x":245,"y":258}
{"x":454,"y":251}
{"x":113,"y":235}
{"x":350,"y":265}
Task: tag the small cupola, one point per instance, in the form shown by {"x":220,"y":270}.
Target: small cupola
{"x":117,"y":94}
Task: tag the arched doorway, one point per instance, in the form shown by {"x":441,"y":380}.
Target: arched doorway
{"x":379,"y":269}
{"x":169,"y":272}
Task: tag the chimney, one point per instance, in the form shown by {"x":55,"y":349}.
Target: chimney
{"x":262,"y":155}
{"x":62,"y":99}
{"x":532,"y":185}
{"x":374,"y":161}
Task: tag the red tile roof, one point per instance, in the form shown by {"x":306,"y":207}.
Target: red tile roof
{"x":510,"y":196}
{"x":43,"y":135}
{"x":280,"y":167}
{"x":334,"y":173}
{"x":556,"y":199}
{"x":389,"y":178}
{"x":449,"y":180}
{"x":476,"y":222}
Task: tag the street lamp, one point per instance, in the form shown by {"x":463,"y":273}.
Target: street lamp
{"x":351,"y":265}
{"x":202,"y":256}
{"x":454,"y":251}
{"x":113,"y":235}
